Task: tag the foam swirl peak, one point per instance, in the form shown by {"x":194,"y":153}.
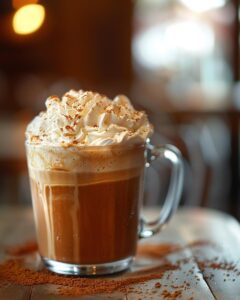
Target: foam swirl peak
{"x":84,"y":118}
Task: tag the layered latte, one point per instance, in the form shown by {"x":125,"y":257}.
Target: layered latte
{"x":86,"y":158}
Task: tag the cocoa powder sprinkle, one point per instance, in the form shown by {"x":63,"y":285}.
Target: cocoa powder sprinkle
{"x":27,"y":248}
{"x":16,"y":271}
{"x":158,"y":285}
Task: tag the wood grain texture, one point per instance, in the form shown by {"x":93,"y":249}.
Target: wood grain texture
{"x":188,"y":226}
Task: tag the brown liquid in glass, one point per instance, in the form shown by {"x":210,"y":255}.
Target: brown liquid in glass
{"x":86,"y":223}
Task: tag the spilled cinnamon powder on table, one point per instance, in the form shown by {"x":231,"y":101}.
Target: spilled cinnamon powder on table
{"x":158,"y":250}
{"x":23,"y":249}
{"x":155,"y":250}
{"x":171,"y":295}
{"x":14,"y":271}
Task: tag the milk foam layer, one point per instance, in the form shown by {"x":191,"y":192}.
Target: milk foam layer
{"x":85,"y":160}
{"x":88,"y":119}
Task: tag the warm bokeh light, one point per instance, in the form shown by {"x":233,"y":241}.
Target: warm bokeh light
{"x":19,"y":3}
{"x":28,"y":18}
{"x":163,"y":44}
{"x":203,"y":5}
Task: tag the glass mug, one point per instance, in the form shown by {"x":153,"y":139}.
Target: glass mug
{"x":86,"y":203}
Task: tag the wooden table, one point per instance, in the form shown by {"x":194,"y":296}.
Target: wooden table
{"x":189,"y":225}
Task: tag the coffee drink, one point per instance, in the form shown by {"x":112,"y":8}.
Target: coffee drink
{"x":86,"y":161}
{"x":87,"y":217}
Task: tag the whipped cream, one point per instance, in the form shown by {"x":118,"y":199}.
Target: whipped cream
{"x":88,"y":119}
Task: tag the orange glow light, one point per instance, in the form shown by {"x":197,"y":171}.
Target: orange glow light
{"x":28,"y":19}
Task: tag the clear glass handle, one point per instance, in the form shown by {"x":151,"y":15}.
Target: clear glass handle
{"x":170,"y":205}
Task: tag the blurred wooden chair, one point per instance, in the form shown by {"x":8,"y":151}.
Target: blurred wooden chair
{"x":205,"y":145}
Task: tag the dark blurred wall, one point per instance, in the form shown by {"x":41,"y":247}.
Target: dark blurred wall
{"x":94,"y":42}
{"x":81,"y":44}
{"x":89,"y":42}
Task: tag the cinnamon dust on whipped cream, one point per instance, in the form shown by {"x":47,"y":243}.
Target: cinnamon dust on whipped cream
{"x":84,"y":118}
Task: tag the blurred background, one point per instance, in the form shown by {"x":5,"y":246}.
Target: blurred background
{"x":177,"y":59}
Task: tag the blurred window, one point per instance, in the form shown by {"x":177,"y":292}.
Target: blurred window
{"x":184,"y":47}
